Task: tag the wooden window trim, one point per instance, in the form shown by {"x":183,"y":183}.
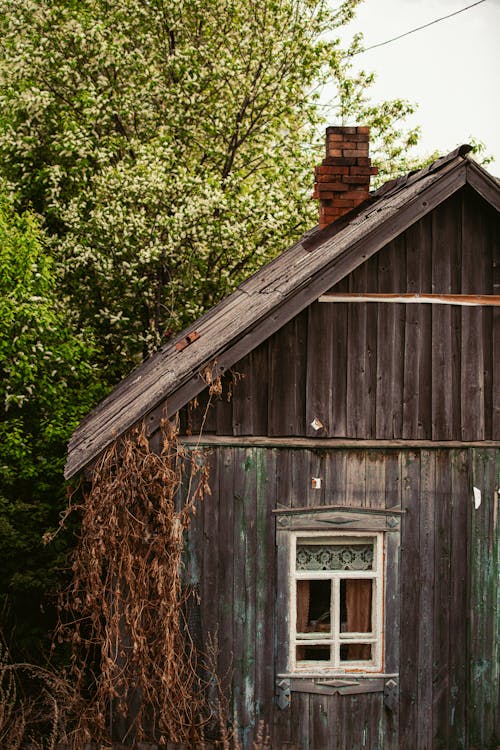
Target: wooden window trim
{"x":347,"y":521}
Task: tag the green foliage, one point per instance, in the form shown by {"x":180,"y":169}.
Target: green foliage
{"x":47,"y":384}
{"x":391,"y":140}
{"x":170,"y":145}
{"x":479,"y":152}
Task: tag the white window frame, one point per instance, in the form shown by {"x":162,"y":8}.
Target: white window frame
{"x":335,"y":638}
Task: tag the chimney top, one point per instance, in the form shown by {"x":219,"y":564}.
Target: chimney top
{"x":342,"y":181}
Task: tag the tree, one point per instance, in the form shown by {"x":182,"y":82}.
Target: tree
{"x":47,"y":384}
{"x":169,"y":145}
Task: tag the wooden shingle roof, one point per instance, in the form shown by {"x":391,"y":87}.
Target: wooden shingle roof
{"x":270,"y":298}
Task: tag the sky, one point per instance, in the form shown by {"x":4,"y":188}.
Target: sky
{"x":451,"y":69}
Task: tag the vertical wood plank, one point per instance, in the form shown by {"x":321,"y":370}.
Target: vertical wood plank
{"x":392,"y":465}
{"x":193,"y":414}
{"x":335,"y":477}
{"x":495,"y":408}
{"x":375,"y":473}
{"x":320,"y":368}
{"x":390,"y":342}
{"x":283,"y":476}
{"x":361,"y":363}
{"x":224,"y":408}
{"x":473,"y":279}
{"x":418,"y":341}
{"x":484,"y":647}
{"x":300,"y":478}
{"x":283,"y":719}
{"x":316,"y":469}
{"x":425,"y":581}
{"x":410,"y":600}
{"x":393,"y":485}
{"x":265,"y":585}
{"x":319,"y":729}
{"x":287,"y":378}
{"x":300,"y":732}
{"x":338,"y":417}
{"x":248,"y":715}
{"x":442,"y":585}
{"x":244,"y":591}
{"x":376,"y":736}
{"x":210,"y":579}
{"x":392,"y":631}
{"x":459,"y":563}
{"x":224,"y":632}
{"x":250,"y":393}
{"x":281,"y":725}
{"x":444,"y":223}
{"x":239,"y":584}
{"x":355,"y":487}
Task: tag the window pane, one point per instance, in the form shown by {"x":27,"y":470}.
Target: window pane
{"x":313,"y":606}
{"x":313,"y":653}
{"x":356,"y":605}
{"x":334,"y":557}
{"x":356,"y":652}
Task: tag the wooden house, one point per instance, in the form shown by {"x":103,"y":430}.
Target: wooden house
{"x":348,"y":554}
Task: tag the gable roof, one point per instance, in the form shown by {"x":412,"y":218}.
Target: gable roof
{"x":270,"y":298}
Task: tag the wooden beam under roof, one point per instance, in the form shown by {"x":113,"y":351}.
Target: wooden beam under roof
{"x":463,"y":300}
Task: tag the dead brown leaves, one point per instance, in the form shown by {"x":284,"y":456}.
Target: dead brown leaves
{"x":131,"y":652}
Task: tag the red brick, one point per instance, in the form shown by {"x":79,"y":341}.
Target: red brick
{"x":360,"y":138}
{"x":331,"y":214}
{"x":356,"y":179}
{"x":328,"y":194}
{"x":325,"y":182}
{"x":338,"y":169}
{"x":341,"y":130}
{"x":357,"y":153}
{"x":363,"y":161}
{"x":325,"y":169}
{"x":356,"y":195}
{"x":353,"y":146}
{"x":340,"y":203}
{"x":342,"y":162}
{"x":365,"y":171}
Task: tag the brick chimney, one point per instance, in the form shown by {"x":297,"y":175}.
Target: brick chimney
{"x":342,"y":181}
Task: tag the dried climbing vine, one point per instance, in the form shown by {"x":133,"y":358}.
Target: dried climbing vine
{"x":131,"y":651}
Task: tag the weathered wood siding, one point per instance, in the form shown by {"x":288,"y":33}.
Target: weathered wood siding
{"x":448,"y":588}
{"x":383,"y":371}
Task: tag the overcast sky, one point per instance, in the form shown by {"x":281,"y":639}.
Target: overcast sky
{"x":451,"y":69}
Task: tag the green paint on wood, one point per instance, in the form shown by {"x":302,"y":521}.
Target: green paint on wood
{"x":484,"y":621}
{"x":249,"y":464}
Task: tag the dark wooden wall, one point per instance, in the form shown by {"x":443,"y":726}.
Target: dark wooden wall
{"x":384,"y":371}
{"x":370,"y":372}
{"x":448,"y":653}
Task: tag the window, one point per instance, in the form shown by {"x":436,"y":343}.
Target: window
{"x":336,"y":596}
{"x":337,"y":603}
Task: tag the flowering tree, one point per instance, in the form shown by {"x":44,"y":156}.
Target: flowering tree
{"x":169,"y":145}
